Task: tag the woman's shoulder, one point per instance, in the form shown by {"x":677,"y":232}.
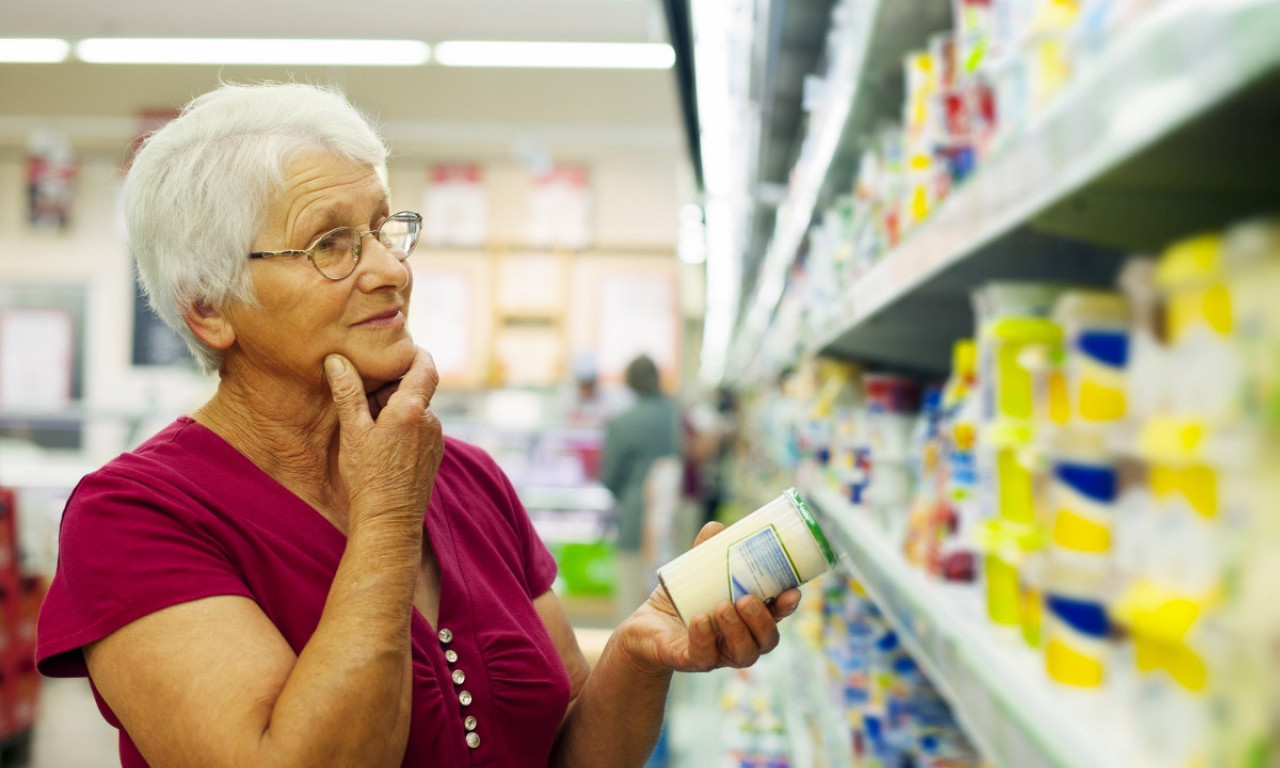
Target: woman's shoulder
{"x":464,"y":455}
{"x":184,"y":462}
{"x":469,"y":472}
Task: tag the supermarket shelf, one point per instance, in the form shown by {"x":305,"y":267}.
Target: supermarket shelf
{"x":795,"y":677}
{"x":818,"y":702}
{"x":869,"y":71}
{"x":694,"y":720}
{"x":1160,"y":137}
{"x":996,"y":687}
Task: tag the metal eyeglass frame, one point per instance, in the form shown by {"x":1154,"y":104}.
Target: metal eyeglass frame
{"x":409,"y":216}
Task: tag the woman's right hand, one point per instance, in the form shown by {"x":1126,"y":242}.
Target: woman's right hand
{"x":390,"y":443}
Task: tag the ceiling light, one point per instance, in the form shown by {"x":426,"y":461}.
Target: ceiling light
{"x":33,"y":49}
{"x":477,"y":53}
{"x":251,"y":51}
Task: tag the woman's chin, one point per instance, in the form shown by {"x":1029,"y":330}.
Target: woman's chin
{"x":384,"y":369}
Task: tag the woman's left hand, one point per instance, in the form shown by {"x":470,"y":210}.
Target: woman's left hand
{"x":736,"y":636}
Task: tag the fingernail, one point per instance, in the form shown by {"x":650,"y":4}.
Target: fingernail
{"x":704,"y":625}
{"x":752,"y":608}
{"x":333,"y":365}
{"x":730,"y":616}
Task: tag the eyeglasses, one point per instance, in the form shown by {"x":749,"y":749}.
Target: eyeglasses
{"x":336,"y":253}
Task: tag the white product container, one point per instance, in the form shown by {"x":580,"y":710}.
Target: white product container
{"x":775,"y":548}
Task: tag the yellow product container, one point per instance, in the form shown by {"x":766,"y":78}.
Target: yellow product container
{"x":1191,"y":275}
{"x":1207,"y":377}
{"x":1012,"y":321}
{"x":1005,"y":375}
{"x":1031,"y":594}
{"x":1251,"y":253}
{"x":1095,"y":354}
{"x":1006,"y":546}
{"x":1077,"y":625}
{"x":1175,"y":664}
{"x":1083,"y":489}
{"x":1007,"y":462}
{"x":1161,"y":621}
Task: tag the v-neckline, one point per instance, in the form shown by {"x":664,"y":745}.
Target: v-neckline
{"x":435,"y":531}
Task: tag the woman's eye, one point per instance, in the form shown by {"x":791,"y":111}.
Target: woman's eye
{"x":338,"y":240}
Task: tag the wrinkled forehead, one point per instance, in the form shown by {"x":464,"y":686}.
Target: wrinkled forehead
{"x":320,"y":189}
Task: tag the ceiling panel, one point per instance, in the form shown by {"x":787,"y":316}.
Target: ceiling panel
{"x":430,"y":20}
{"x":429,"y":105}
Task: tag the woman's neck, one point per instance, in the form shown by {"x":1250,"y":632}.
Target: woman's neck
{"x":291,"y":436}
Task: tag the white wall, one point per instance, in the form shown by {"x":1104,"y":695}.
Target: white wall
{"x":636,"y":199}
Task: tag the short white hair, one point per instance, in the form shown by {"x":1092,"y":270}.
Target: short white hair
{"x":197,"y":191}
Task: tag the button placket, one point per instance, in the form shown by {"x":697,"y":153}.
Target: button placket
{"x":465,"y":698}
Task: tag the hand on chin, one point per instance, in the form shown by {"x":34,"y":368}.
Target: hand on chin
{"x":381,"y":376}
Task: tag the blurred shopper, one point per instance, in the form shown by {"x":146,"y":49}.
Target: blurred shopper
{"x":584,"y":403}
{"x":304,"y":571}
{"x":634,"y":440}
{"x":710,"y":429}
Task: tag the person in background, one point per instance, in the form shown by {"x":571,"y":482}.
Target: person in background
{"x":634,"y":440}
{"x":585,"y":405}
{"x":305,"y":571}
{"x":710,"y":429}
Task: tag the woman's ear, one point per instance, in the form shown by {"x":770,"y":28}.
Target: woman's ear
{"x":210,"y":325}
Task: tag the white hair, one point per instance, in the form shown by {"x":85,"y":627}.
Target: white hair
{"x":198,"y":190}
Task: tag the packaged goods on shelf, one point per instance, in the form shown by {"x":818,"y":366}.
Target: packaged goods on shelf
{"x":926,"y":507}
{"x":753,"y":727}
{"x":969,"y":92}
{"x":892,"y":402}
{"x":1013,"y":325}
{"x":1100,"y":467}
{"x":956,"y":530}
{"x":894,"y":714}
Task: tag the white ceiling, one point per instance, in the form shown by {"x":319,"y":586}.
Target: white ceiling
{"x":429,"y":20}
{"x":449,"y":110}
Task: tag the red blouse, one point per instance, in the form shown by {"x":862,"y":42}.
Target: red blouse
{"x":186,"y":516}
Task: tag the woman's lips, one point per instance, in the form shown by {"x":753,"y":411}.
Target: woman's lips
{"x":391,"y":319}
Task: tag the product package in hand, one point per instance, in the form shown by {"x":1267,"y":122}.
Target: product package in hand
{"x":775,"y":548}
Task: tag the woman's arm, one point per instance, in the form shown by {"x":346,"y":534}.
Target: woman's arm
{"x":213,"y":683}
{"x":616,"y":712}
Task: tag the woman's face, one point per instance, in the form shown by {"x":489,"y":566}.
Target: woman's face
{"x":303,"y":316}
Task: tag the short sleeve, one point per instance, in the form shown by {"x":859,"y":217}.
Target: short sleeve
{"x":125,"y":549}
{"x":538,"y":565}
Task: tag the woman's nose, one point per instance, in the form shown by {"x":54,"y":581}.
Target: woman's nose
{"x":382,"y":262}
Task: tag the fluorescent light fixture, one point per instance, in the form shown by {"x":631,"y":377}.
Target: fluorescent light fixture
{"x":479,"y":53}
{"x":121,"y":50}
{"x":33,"y":50}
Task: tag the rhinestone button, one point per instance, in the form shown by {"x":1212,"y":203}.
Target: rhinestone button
{"x":473,"y":739}
{"x":469,"y":723}
{"x":451,"y":656}
{"x":459,"y":677}
{"x":464,"y":698}
{"x":446,"y":636}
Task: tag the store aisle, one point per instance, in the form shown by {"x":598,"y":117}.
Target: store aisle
{"x":69,"y":730}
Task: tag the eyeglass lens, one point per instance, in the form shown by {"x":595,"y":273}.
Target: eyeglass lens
{"x":335,"y":253}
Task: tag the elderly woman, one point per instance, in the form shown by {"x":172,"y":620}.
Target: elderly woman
{"x":305,"y":571}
